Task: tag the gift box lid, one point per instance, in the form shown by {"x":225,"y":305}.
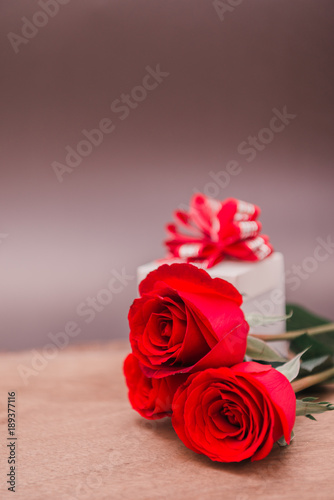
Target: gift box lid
{"x":250,"y":278}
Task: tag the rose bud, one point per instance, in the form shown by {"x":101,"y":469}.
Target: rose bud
{"x":230,"y":414}
{"x":151,"y":398}
{"x":186,"y":321}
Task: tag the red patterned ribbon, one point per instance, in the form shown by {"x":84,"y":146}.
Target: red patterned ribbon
{"x":212,"y":230}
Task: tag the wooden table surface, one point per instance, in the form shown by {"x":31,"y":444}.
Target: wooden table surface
{"x":78,"y":438}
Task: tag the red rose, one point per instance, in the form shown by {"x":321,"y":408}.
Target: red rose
{"x":230,"y":414}
{"x":151,"y":398}
{"x":186,"y":321}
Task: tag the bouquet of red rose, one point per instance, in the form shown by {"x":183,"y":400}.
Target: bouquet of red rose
{"x":189,"y":339}
{"x":193,"y":358}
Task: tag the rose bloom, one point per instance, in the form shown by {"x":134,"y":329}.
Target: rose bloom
{"x":186,"y":321}
{"x":230,"y":414}
{"x":150,"y":397}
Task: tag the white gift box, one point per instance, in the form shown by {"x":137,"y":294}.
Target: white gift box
{"x":262,"y":285}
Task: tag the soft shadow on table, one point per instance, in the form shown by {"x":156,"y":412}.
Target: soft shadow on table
{"x":163,"y":430}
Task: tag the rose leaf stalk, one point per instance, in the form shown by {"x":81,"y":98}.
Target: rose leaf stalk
{"x":316,"y":330}
{"x":309,"y":381}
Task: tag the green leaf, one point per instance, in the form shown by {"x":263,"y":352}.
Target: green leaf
{"x":303,"y":318}
{"x":257,"y":319}
{"x":320,"y":356}
{"x":311,"y":417}
{"x":308,"y":399}
{"x":305,"y":408}
{"x":311,"y":365}
{"x":291,"y":368}
{"x":257,"y":349}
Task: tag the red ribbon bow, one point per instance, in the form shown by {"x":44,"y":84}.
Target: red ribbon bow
{"x":218,"y":229}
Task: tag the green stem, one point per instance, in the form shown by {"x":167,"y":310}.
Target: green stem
{"x":316,"y":330}
{"x":317,"y":378}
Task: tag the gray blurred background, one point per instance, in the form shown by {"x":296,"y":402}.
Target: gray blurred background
{"x":228,"y":69}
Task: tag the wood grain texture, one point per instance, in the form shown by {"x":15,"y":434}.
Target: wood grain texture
{"x":78,"y":438}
